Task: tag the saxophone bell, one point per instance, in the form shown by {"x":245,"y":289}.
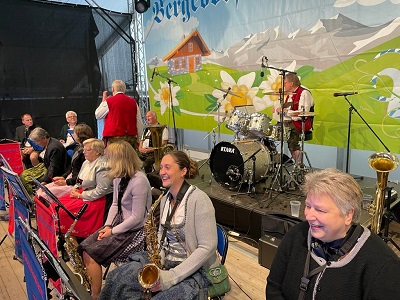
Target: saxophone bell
{"x":148,"y":278}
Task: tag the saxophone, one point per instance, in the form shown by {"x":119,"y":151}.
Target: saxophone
{"x":150,"y":273}
{"x":382,"y":163}
{"x":70,"y":246}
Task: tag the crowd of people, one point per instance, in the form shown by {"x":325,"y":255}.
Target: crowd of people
{"x":328,"y":254}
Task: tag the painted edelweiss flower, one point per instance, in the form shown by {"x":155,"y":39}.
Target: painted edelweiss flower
{"x":273,"y":84}
{"x":164,"y":98}
{"x":242,"y":92}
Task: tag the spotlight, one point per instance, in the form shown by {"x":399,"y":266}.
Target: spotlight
{"x":142,"y":5}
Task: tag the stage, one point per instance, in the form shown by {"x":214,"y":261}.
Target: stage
{"x":245,"y":212}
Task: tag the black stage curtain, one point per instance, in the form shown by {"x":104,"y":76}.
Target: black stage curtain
{"x":48,"y":65}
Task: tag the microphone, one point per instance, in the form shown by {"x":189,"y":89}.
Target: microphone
{"x":344,"y":94}
{"x":154,"y":73}
{"x":264,"y":64}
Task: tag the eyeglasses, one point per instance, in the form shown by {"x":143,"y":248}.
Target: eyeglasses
{"x":71,"y":117}
{"x":87,"y":150}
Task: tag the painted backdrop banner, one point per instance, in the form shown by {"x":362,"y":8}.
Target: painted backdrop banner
{"x":197,"y":50}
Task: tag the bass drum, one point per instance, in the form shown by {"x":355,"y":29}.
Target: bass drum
{"x":229,"y":162}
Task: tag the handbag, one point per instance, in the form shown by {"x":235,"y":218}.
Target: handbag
{"x":219,"y":278}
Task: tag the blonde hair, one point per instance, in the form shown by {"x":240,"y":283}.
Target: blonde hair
{"x":122,"y":160}
{"x":97,"y":145}
{"x":339,"y":186}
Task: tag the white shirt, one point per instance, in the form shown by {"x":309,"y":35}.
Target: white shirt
{"x":102,"y":111}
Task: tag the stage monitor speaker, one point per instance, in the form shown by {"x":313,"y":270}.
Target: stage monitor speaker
{"x":267,"y":246}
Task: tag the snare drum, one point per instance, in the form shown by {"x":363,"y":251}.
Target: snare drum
{"x":276,"y":133}
{"x":259,"y":125}
{"x":238,"y":121}
{"x":230,"y":162}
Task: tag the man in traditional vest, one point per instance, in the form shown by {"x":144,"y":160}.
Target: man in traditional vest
{"x":146,"y":150}
{"x":301,"y":101}
{"x":121,"y":114}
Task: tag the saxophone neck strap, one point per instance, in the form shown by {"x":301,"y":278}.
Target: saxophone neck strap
{"x":182,"y":191}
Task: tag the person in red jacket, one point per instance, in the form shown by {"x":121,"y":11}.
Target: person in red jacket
{"x":121,"y":114}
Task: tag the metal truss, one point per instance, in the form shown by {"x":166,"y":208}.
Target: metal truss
{"x":140,"y":73}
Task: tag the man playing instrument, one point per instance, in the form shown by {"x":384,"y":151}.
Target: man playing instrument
{"x":301,"y":102}
{"x":146,"y":149}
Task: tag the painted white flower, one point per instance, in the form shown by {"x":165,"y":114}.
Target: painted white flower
{"x":273,"y":84}
{"x":163,"y":96}
{"x":242,"y":92}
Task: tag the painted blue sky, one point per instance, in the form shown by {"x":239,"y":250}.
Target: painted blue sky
{"x":229,"y":22}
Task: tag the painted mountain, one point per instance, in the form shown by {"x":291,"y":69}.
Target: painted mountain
{"x":329,"y":42}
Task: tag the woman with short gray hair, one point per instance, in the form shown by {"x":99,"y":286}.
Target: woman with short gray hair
{"x":331,"y":255}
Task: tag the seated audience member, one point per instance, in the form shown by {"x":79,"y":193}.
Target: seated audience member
{"x":124,"y":224}
{"x":189,"y":245}
{"x":67,"y":131}
{"x":55,"y":160}
{"x":30,"y":157}
{"x":62,"y":185}
{"x":146,"y":149}
{"x":340,"y":258}
{"x":92,"y":186}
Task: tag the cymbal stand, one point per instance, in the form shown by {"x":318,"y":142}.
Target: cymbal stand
{"x":214,"y":142}
{"x":300,"y":169}
{"x":251,"y":176}
{"x":217,"y":106}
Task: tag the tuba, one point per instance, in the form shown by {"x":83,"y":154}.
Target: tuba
{"x":149,"y":275}
{"x":382,"y":163}
{"x":156,"y":138}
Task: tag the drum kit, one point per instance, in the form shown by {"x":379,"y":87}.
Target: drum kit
{"x":253,"y":157}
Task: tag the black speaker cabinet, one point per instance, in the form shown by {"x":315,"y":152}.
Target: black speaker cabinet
{"x":267,"y":246}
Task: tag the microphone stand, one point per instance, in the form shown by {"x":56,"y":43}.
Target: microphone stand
{"x":170,"y":80}
{"x":351,"y":109}
{"x":283,"y":73}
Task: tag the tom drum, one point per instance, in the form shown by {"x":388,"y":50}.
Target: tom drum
{"x":238,"y":121}
{"x":259,"y":125}
{"x":276,"y":133}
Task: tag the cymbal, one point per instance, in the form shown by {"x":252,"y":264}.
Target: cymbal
{"x":301,"y":114}
{"x":307,"y":114}
{"x":279,"y":93}
{"x":228,"y":92}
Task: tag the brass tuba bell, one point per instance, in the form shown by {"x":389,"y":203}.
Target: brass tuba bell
{"x":156,"y":138}
{"x":382,"y":163}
